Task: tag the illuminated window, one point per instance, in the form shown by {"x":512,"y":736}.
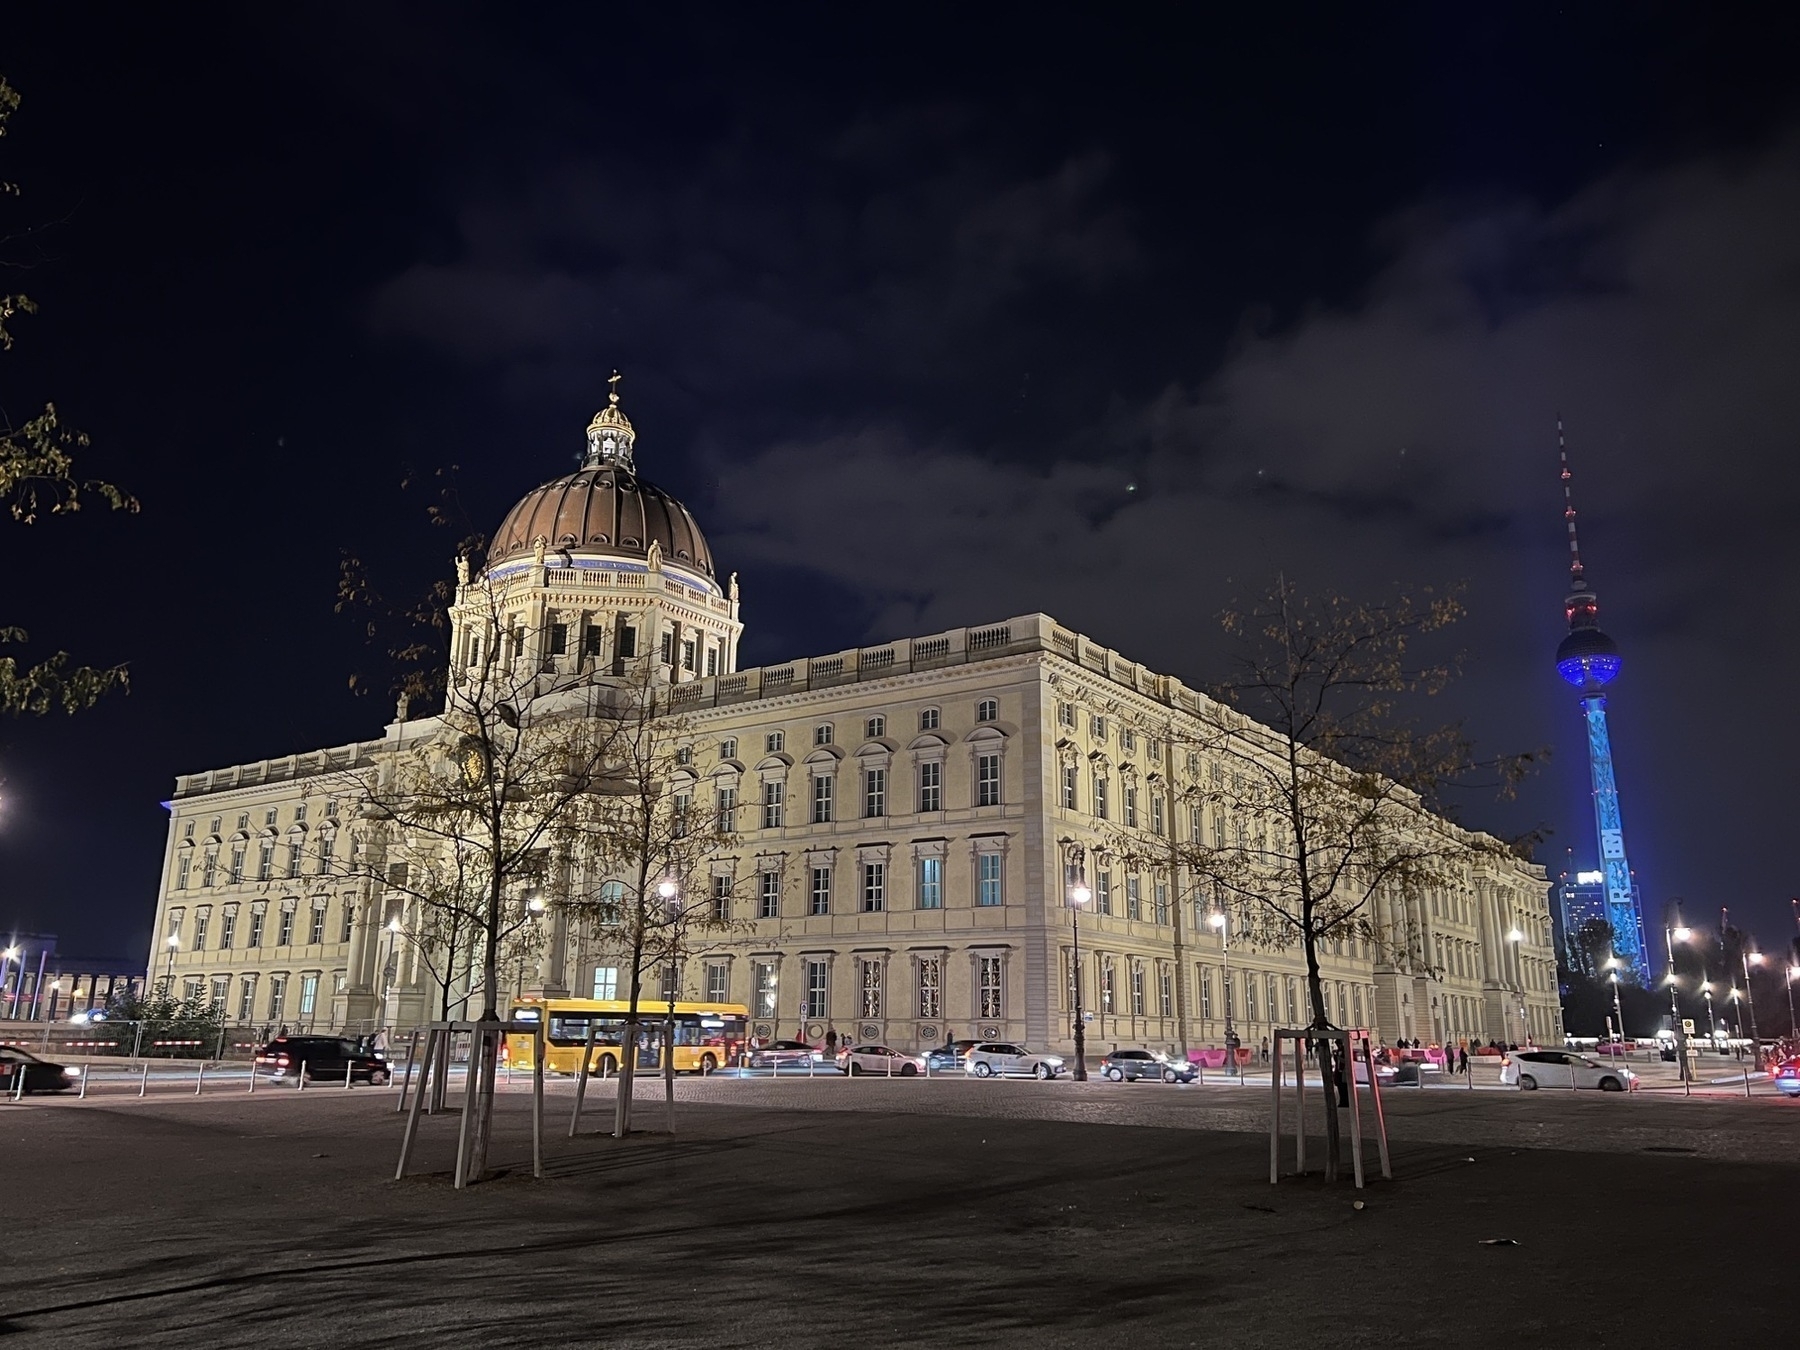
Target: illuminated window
{"x":931,"y":985}
{"x":817,"y":994}
{"x":987,"y":884}
{"x":606,"y":982}
{"x":990,"y":986}
{"x":869,"y":985}
{"x":931,"y":884}
{"x":762,"y":988}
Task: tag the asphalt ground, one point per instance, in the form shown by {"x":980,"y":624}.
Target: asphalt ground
{"x":795,"y":1214}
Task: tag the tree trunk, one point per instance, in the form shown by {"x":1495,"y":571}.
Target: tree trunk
{"x":1327,"y":1075}
{"x":489,"y":1045}
{"x":628,"y":1053}
{"x":669,"y":1070}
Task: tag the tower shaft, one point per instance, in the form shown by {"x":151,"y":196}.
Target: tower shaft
{"x":1621,"y":895}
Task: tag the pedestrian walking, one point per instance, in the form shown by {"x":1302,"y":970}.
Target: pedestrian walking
{"x":1462,"y":1060}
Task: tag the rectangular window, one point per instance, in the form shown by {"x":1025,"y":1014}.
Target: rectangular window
{"x":1250,"y":998}
{"x":1070,"y":777}
{"x":669,"y":990}
{"x":874,"y":792}
{"x":822,"y":734}
{"x":718,"y":976}
{"x":209,"y":870}
{"x":627,"y":641}
{"x":869,"y":983}
{"x":1065,"y":715}
{"x":712,"y":661}
{"x":817,"y":989}
{"x":987,"y":879}
{"x":821,"y":812}
{"x":819,"y":900}
{"x":727,"y":810}
{"x":690,"y":651}
{"x":1100,"y":789}
{"x":183,"y":865}
{"x":277,"y":996}
{"x":221,"y":990}
{"x":774,"y":742}
{"x":987,"y":780}
{"x":246,"y":998}
{"x":315,"y":932}
{"x":265,"y":860}
{"x":1134,"y":898}
{"x":326,"y":843}
{"x":728,"y":748}
{"x":874,"y":887}
{"x":988,"y":710}
{"x":990,"y":988}
{"x":1160,"y":890}
{"x":931,"y":986}
{"x":1103,"y":893}
{"x":606,"y":982}
{"x":559,"y":639}
{"x":931,"y":786}
{"x":293,"y":860}
{"x":768,"y":895}
{"x":928,"y":719}
{"x":1156,"y":813}
{"x":721,"y":897}
{"x":284,"y":933}
{"x":256,"y":928}
{"x":201,"y":919}
{"x":309,"y":994}
{"x":1137,"y":990}
{"x":237,"y":865}
{"x":668,"y":646}
{"x":1293,"y":1002}
{"x":227,"y":929}
{"x":1097,"y":728}
{"x":1131,"y":814}
{"x":349,"y":920}
{"x":1196,"y":823}
{"x":1106,"y":984}
{"x":1127,"y":740}
{"x":773,"y":795}
{"x":762,"y":988}
{"x":874,"y":727}
{"x":1203,"y":978}
{"x":931,"y":883}
{"x":590,"y":641}
{"x":1165,"y":991}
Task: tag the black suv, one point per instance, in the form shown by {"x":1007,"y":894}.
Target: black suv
{"x":322,"y":1059}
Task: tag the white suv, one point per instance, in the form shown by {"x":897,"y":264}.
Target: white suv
{"x":996,"y":1058}
{"x":1564,"y":1069}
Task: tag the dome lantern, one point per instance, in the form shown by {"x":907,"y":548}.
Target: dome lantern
{"x":610,"y":437}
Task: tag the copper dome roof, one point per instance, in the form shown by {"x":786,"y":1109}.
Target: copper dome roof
{"x":603,"y":510}
{"x":604,"y":507}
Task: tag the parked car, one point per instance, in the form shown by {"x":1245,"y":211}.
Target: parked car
{"x":994,"y":1059}
{"x":322,"y":1057}
{"x":784,"y":1055}
{"x":860,"y":1059}
{"x":40,"y":1074}
{"x":1128,"y":1066}
{"x":1564,"y":1069}
{"x":1786,"y":1077}
{"x":951,"y":1058}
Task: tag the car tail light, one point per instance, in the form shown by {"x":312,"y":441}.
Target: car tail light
{"x":281,"y":1059}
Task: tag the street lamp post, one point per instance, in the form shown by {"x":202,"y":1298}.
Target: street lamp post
{"x":387,"y":966}
{"x":1752,"y":959}
{"x":1793,"y":973}
{"x":1219,"y":921}
{"x":1516,"y":937}
{"x":1712,"y":1022}
{"x":1677,"y":932}
{"x":1618,"y":1012}
{"x":1079,"y":895}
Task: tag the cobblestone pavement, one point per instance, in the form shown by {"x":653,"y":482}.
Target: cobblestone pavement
{"x":839,"y":1212}
{"x":1764,"y":1129}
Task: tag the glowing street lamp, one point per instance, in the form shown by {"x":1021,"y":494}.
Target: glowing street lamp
{"x":1612,"y":964}
{"x":169,"y":977}
{"x":1079,"y":895}
{"x":1679,"y":932}
{"x":1752,"y":959}
{"x":1218,"y":920}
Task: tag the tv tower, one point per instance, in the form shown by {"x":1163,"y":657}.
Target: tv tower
{"x":1589,"y":660}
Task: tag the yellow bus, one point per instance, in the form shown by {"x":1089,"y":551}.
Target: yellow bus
{"x":708,"y":1036}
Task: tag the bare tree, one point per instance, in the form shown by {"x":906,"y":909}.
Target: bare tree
{"x":1338,"y":807}
{"x":38,"y":478}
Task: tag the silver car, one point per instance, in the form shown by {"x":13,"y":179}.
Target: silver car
{"x":1530,"y":1069}
{"x":997,"y":1059}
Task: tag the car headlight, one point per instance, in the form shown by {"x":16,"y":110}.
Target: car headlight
{"x":71,"y":1072}
{"x":1053,"y":1060}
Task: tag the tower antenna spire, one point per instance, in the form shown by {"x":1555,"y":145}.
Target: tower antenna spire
{"x":1576,"y":575}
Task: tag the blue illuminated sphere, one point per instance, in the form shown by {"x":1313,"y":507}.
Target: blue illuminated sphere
{"x":1588,"y":657}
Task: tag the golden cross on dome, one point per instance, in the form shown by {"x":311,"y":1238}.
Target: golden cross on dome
{"x":612,"y":395}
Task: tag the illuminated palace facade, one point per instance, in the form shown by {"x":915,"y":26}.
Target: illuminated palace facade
{"x":904,"y":814}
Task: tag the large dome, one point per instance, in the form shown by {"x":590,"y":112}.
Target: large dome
{"x":604,"y":508}
{"x":607,"y":511}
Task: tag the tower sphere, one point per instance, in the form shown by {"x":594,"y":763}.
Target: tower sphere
{"x":1587,"y":657}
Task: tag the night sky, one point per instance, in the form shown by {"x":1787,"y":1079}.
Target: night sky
{"x":932,"y":316}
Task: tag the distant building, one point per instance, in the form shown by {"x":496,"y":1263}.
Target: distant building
{"x":1577,"y":898}
{"x":905,"y":810}
{"x":40,"y":984}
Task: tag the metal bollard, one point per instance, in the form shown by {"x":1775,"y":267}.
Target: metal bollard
{"x":253,"y":1074}
{"x":301,"y":1085}
{"x":200,"y":1078}
{"x":144,"y":1082}
{"x":1746,"y":1081}
{"x":347,"y":1068}
{"x":84,"y":1072}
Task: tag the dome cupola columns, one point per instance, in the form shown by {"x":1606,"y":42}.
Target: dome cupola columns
{"x":610,"y":437}
{"x":596,"y":574}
